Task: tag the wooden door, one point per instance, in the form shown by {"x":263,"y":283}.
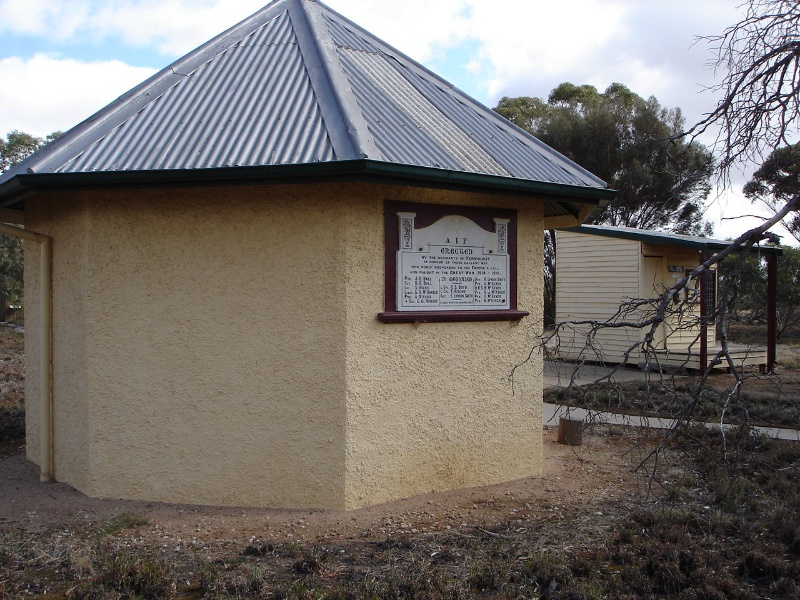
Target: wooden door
{"x":652,"y":287}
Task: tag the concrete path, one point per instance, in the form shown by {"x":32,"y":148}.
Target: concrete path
{"x":552,"y":412}
{"x":558,"y":373}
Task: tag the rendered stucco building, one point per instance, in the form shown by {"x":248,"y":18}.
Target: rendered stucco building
{"x":254,"y":279}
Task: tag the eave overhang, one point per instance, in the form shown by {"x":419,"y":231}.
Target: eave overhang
{"x":569,"y":198}
{"x":665,"y":239}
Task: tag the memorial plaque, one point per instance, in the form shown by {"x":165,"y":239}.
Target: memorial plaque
{"x":453,"y":264}
{"x":449,"y":263}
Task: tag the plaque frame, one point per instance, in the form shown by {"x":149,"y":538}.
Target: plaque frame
{"x":428,"y":214}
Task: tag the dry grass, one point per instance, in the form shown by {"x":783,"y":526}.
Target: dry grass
{"x":766,"y":400}
{"x":726,"y":528}
{"x":723,"y":525}
{"x":789,"y":357}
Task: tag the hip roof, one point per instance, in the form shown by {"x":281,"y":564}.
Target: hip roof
{"x":298,"y":84}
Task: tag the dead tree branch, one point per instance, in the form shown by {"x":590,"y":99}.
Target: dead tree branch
{"x":760,"y":90}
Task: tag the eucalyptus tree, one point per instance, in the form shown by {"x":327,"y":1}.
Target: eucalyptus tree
{"x":630,"y":142}
{"x":756,"y":113}
{"x":16,"y":146}
{"x":776,"y":181}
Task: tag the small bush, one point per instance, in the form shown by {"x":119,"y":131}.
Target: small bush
{"x":12,"y":386}
{"x":125,"y":573}
{"x":757,"y":565}
{"x":121,"y":522}
{"x":311,"y":561}
{"x":489,"y":575}
{"x":546,"y":571}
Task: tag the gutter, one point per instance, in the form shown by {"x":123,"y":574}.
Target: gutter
{"x":16,"y":188}
{"x":46,"y":373}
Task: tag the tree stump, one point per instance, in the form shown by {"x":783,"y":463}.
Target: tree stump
{"x":570,"y":431}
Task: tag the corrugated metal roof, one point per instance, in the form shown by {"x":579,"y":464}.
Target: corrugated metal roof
{"x":383,"y":93}
{"x":664,"y":238}
{"x":294,"y":84}
{"x":253,"y":104}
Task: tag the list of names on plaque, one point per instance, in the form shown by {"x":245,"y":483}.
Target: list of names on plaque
{"x":452,"y":265}
{"x":430,"y":280}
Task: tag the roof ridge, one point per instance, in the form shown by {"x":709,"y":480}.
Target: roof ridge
{"x":347,"y":127}
{"x":490,"y":115}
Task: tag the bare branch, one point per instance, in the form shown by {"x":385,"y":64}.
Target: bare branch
{"x":760,"y":102}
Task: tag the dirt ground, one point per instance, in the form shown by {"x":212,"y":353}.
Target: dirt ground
{"x":589,"y":526}
{"x":578,"y":483}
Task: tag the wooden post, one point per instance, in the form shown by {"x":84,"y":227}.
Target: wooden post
{"x":703,"y":316}
{"x":570,"y":431}
{"x":772,"y":311}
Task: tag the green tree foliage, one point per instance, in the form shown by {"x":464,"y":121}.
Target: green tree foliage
{"x":625,"y":140}
{"x":788,"y":289}
{"x":19,"y":145}
{"x":630,"y":143}
{"x":776,"y":182}
{"x":11,"y":261}
{"x":750,"y":281}
{"x":16,"y":147}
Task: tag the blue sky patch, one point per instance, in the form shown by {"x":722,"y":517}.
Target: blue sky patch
{"x":26,"y":46}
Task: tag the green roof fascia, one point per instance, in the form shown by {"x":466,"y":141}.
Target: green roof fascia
{"x":663,"y":240}
{"x":21,"y":185}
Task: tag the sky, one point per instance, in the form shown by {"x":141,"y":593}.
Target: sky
{"x":61,"y":61}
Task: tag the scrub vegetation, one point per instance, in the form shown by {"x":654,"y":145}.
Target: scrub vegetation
{"x":764,"y":400}
{"x":713,"y":529}
{"x":718,"y":518}
{"x":12,"y":386}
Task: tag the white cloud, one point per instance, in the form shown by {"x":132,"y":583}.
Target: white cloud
{"x":538,"y":39}
{"x":55,"y":20}
{"x":45,"y":93}
{"x":733,"y":214}
{"x":518,"y":47}
{"x":419,"y":28}
{"x":174,"y":27}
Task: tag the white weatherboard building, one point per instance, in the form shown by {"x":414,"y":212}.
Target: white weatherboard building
{"x":600,"y":268}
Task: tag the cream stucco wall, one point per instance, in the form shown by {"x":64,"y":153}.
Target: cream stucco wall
{"x":69,"y":338}
{"x":430,"y":405}
{"x":221,"y":346}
